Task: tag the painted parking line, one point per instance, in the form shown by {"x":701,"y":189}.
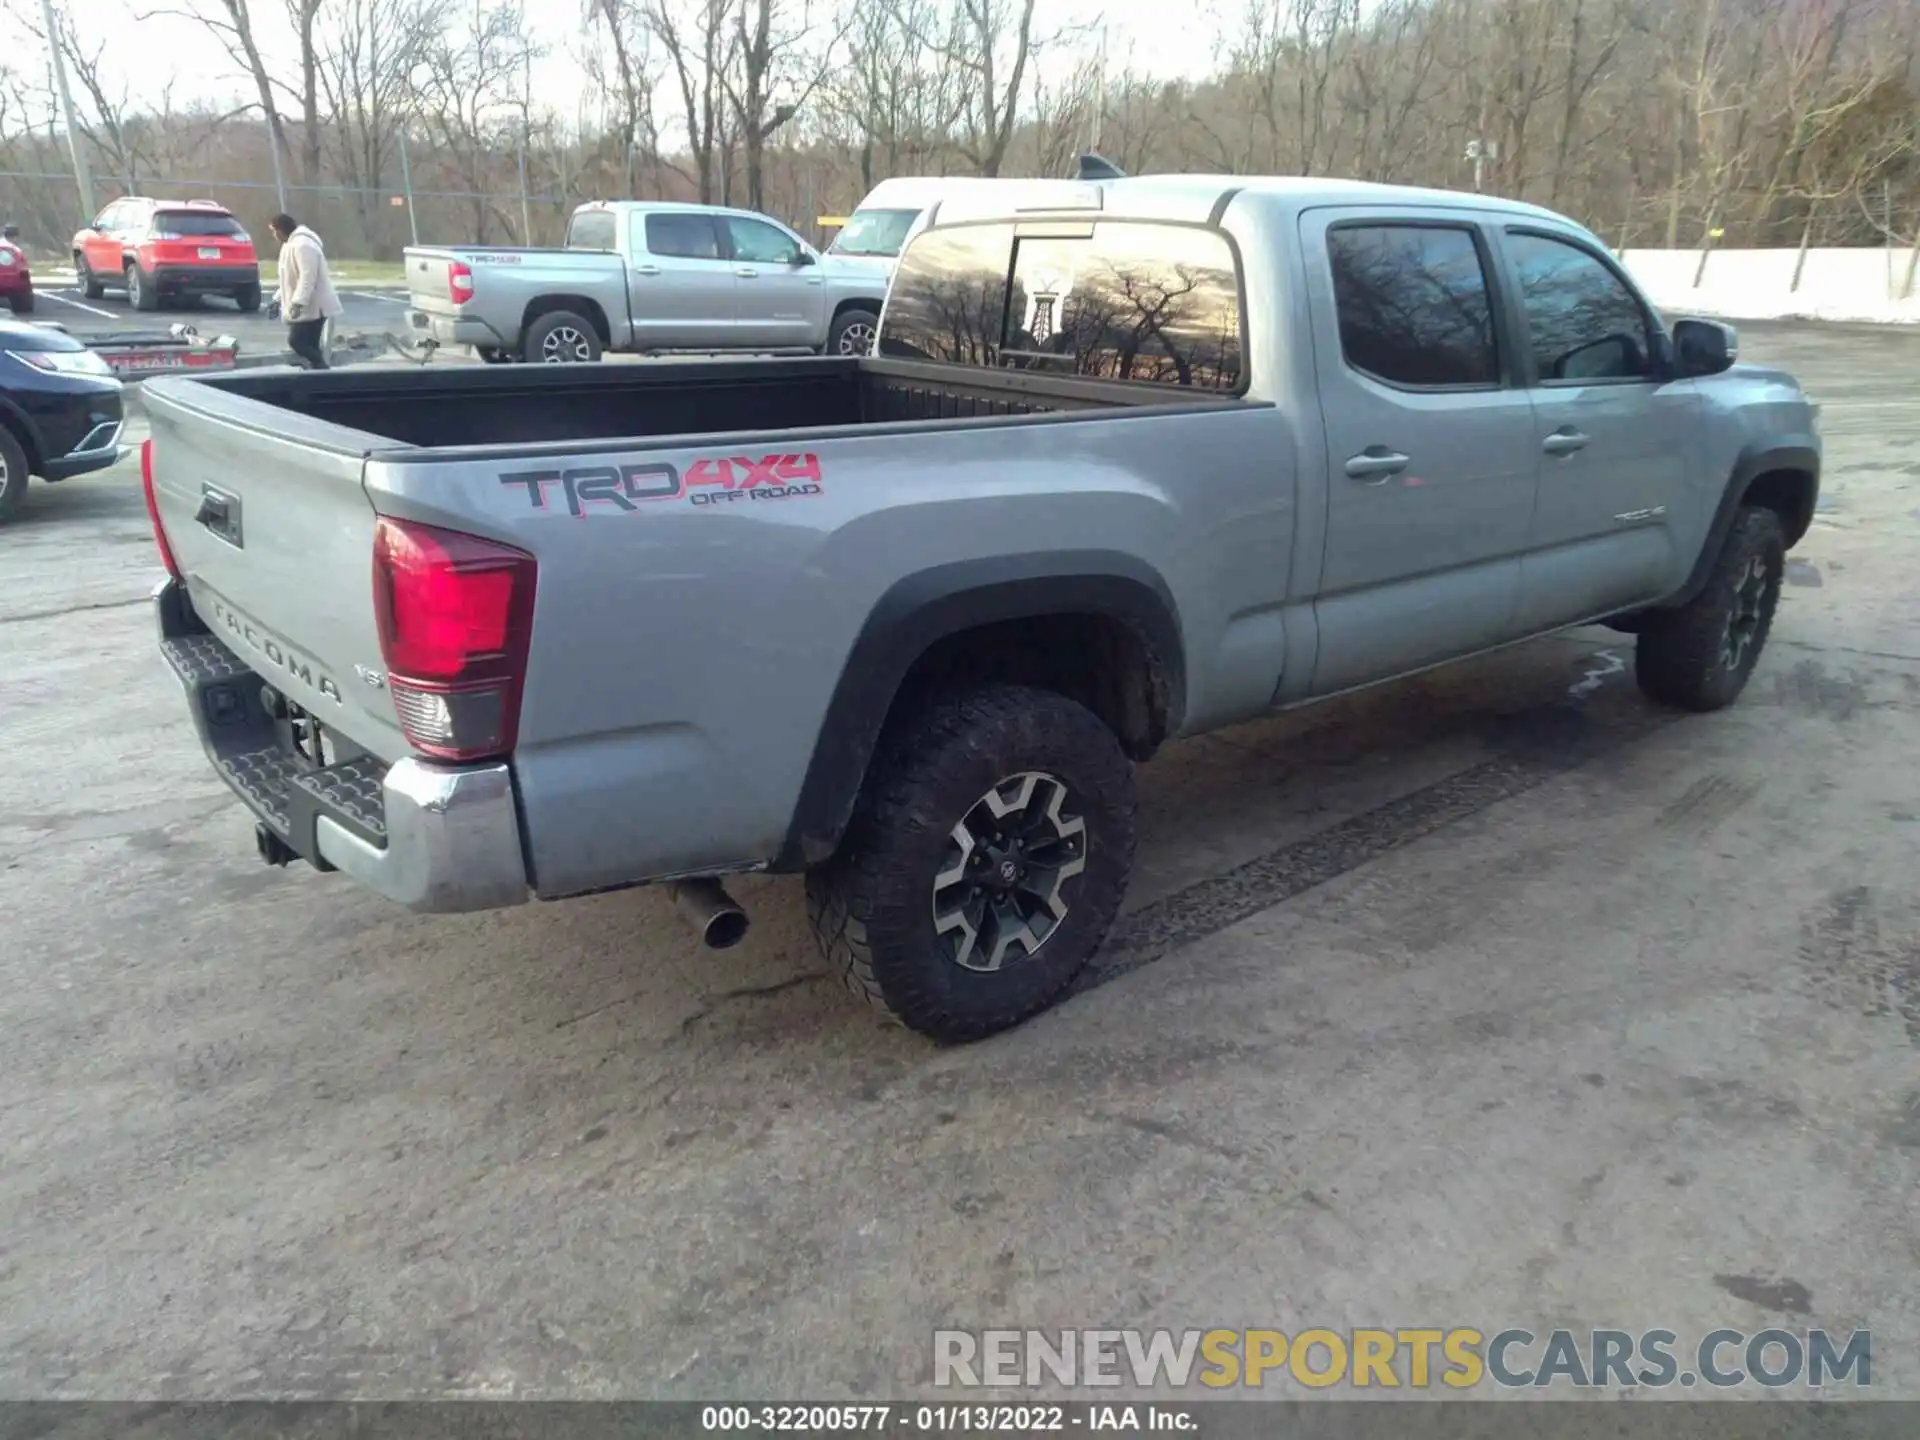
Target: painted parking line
{"x":376,"y":295}
{"x":78,"y":304}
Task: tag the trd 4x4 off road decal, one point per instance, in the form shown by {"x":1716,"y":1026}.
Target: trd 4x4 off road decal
{"x":706,"y":482}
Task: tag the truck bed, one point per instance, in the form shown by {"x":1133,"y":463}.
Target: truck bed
{"x":521,"y":405}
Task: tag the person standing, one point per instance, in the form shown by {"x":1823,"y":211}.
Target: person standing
{"x":307,"y":300}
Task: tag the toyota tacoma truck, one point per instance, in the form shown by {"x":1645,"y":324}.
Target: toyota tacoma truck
{"x":647,"y":277}
{"x":1166,"y":455}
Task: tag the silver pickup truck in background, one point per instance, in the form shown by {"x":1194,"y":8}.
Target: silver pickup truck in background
{"x":641,"y":276}
{"x":1175,"y":453}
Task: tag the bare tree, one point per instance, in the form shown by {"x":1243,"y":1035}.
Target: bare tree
{"x":698,"y":43}
{"x":370,"y":56}
{"x":470,"y":99}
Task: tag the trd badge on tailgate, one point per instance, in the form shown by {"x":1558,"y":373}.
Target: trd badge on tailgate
{"x":706,"y":482}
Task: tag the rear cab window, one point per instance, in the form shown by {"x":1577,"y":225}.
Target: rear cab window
{"x":593,"y":230}
{"x":1141,"y":301}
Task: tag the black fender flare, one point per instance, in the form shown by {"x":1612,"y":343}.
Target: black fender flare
{"x":1800,"y":453}
{"x":924,"y":608}
{"x":26,"y":431}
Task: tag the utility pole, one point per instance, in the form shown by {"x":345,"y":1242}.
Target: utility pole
{"x":82,"y":178}
{"x":406,"y":184}
{"x":526,"y":217}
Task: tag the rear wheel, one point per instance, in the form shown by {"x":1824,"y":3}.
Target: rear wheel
{"x":247,"y":297}
{"x":22,"y":303}
{"x":1700,"y":656}
{"x":984,"y":863}
{"x":13,"y":474}
{"x":142,"y":293}
{"x":561,"y":337}
{"x":90,"y":284}
{"x":853,"y":333}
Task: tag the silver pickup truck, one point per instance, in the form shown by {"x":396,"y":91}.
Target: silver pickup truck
{"x":646,"y":277}
{"x":1172,"y":454}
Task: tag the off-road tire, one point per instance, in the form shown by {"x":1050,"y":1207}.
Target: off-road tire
{"x":21,"y":304}
{"x":142,"y":293}
{"x":871,"y":905}
{"x":13,"y":474}
{"x":555,"y":324}
{"x":858,"y":321}
{"x":247,"y":297}
{"x":90,"y":283}
{"x":1681,"y":659}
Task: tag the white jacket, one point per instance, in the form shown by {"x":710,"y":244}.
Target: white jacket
{"x":306,"y":290}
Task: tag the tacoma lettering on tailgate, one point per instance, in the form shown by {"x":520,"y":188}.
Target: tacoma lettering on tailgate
{"x":710,"y":481}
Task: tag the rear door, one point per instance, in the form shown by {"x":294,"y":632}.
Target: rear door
{"x":267,"y":519}
{"x":1618,"y":439}
{"x":679,"y":281}
{"x":102,"y":242}
{"x":1430,"y":438}
{"x":779,"y":292}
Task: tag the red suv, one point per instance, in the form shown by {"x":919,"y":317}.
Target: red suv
{"x":16,"y":280}
{"x":159,"y":250}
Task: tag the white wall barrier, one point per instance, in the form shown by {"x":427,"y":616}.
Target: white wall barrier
{"x":1860,"y":284}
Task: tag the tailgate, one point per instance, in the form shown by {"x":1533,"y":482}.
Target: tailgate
{"x":267,"y":519}
{"x":427,"y":280}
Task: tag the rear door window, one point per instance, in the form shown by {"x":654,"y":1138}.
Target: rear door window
{"x":593,"y":230}
{"x":1110,"y":300}
{"x":685,"y":235}
{"x":1414,"y":305}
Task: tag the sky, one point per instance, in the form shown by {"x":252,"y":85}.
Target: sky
{"x":146,"y":54}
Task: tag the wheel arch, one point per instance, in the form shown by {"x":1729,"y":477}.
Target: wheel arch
{"x":25,"y":434}
{"x":1783,"y":476}
{"x":583,"y":305}
{"x":1099,"y":626}
{"x":871,"y":307}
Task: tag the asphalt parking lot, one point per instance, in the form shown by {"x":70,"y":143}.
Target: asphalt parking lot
{"x":365,"y":310}
{"x":1496,"y":999}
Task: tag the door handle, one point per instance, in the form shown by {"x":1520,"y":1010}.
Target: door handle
{"x":1564,"y":441}
{"x":646,"y":269}
{"x":1376,"y":462}
{"x":746,"y":274}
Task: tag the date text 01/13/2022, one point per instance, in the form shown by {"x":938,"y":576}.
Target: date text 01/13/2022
{"x":948,"y":1419}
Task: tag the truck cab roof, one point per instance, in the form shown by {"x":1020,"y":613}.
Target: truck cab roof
{"x":1203,"y":199}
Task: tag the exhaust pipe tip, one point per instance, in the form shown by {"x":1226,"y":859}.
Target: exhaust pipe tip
{"x":714,"y":915}
{"x":725,"y":930}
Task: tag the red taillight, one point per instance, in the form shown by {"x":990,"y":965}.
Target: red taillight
{"x":459,"y":282}
{"x":153,"y":509}
{"x":455,"y":615}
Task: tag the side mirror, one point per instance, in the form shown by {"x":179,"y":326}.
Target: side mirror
{"x":1704,"y":347}
{"x":803,"y":257}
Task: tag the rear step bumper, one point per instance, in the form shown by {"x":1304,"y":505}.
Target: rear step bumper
{"x":436,"y":838}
